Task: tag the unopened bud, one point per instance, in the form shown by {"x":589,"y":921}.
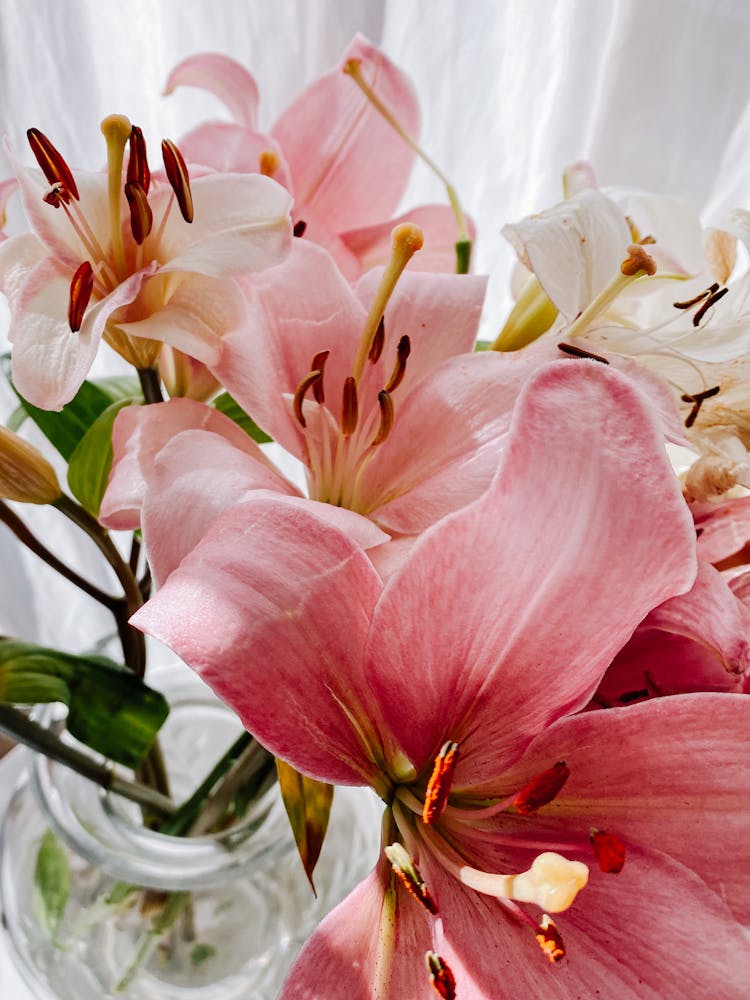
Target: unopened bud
{"x":25,"y":474}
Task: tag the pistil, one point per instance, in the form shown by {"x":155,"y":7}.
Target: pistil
{"x":116,"y":130}
{"x":637,"y":264}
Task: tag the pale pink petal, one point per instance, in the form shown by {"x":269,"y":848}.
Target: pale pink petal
{"x":7,"y":188}
{"x":550,"y":571}
{"x":241,"y":224}
{"x":372,"y":244}
{"x":347,"y":163}
{"x":232,"y":149}
{"x":19,"y":255}
{"x":342,"y":956}
{"x":445,"y":444}
{"x":138,"y":435}
{"x":579,"y":176}
{"x":283,"y":333}
{"x":574,"y":248}
{"x":194,"y":318}
{"x":669,"y":775}
{"x":440,"y":314}
{"x":318,"y":231}
{"x":200,"y":474}
{"x":49,"y":361}
{"x":654,"y":930}
{"x":222,"y":76}
{"x":272,"y":610}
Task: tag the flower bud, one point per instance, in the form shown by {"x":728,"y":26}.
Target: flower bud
{"x":25,"y":475}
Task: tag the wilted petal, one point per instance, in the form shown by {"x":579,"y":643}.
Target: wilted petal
{"x":361,"y":166}
{"x":222,"y":76}
{"x":568,"y":544}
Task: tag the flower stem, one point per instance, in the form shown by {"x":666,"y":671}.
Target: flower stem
{"x":150,"y":385}
{"x":30,"y":733}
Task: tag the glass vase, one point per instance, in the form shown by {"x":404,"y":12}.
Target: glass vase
{"x":155,"y":917}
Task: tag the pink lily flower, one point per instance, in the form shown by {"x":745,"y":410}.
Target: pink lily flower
{"x":396,"y":421}
{"x":345,"y":165}
{"x":129,"y":258}
{"x":450,"y":689}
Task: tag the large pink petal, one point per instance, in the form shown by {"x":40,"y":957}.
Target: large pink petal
{"x":232,"y":149}
{"x":507,"y":612}
{"x":19,"y":255}
{"x":7,"y":188}
{"x":347,"y":163}
{"x":49,"y":360}
{"x":445,"y":444}
{"x":272,"y":610}
{"x":241,"y":224}
{"x":222,"y":76}
{"x":193,"y":319}
{"x":372,"y":244}
{"x":138,"y":435}
{"x":272,"y":354}
{"x":201,"y":474}
{"x":342,"y":956}
{"x":669,"y":775}
{"x":655,"y":930}
{"x":723,"y":528}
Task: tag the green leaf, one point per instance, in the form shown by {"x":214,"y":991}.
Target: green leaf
{"x":308,"y":806}
{"x":89,"y":465}
{"x":229,"y":407}
{"x":201,"y":952}
{"x":51,"y":884}
{"x":109,"y":708}
{"x":483,"y":345}
{"x":64,"y":429}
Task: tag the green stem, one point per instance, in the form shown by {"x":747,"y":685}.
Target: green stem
{"x":30,"y":733}
{"x":150,"y":385}
{"x":25,"y":536}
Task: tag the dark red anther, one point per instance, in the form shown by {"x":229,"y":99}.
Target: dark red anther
{"x":441,"y":977}
{"x":299,"y":395}
{"x":81,"y":286}
{"x":710,"y":301}
{"x":609,"y":851}
{"x":53,"y":166}
{"x":141,"y":216}
{"x":697,"y":298}
{"x":57,"y":195}
{"x":299,"y":228}
{"x":178,"y":177}
{"x":541,"y":790}
{"x":697,"y":400}
{"x":138,"y":172}
{"x":578,"y":352}
{"x":318,"y":364}
{"x":376,"y":347}
{"x":439,"y":785}
{"x":549,"y":940}
{"x":403,"y":351}
{"x":386,"y":417}
{"x":349,"y":407}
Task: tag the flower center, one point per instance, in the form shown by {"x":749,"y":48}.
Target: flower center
{"x":340,"y":443}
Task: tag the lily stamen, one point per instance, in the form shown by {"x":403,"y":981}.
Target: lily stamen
{"x":609,"y":851}
{"x":439,"y":785}
{"x":81,"y":286}
{"x":710,"y":301}
{"x":386,"y":417}
{"x":349,"y":408}
{"x":378,"y":342}
{"x":697,"y":399}
{"x":409,"y":875}
{"x":51,"y":162}
{"x":307,"y":382}
{"x":442,"y":979}
{"x":138,"y":171}
{"x":540,"y":791}
{"x":549,"y":939}
{"x":397,"y":375}
{"x":141,"y":216}
{"x":178,"y":177}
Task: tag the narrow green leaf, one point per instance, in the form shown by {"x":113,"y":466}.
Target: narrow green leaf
{"x":64,"y":429}
{"x":308,"y":806}
{"x":109,"y":708}
{"x":51,"y":884}
{"x":229,"y":407}
{"x":89,"y":465}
